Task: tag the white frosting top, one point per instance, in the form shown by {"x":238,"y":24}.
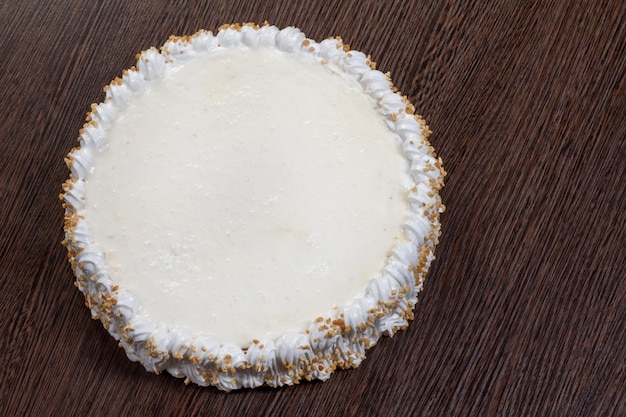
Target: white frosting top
{"x":242,"y":201}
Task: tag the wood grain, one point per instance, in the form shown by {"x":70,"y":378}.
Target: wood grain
{"x":524,"y":311}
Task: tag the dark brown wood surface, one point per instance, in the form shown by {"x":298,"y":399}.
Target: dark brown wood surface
{"x":524,"y":311}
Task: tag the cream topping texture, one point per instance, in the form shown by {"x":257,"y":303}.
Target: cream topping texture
{"x":266,"y":195}
{"x":307,"y":350}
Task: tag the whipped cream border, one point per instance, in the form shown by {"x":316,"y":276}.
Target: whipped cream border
{"x":338,"y":339}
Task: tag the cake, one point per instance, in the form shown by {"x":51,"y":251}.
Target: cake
{"x":252,"y":207}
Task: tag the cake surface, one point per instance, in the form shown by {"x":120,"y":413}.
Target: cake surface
{"x":252,"y":207}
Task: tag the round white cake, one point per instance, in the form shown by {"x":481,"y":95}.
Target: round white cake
{"x":252,"y":207}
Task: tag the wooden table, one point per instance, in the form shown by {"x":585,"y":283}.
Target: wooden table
{"x":524,"y":311}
